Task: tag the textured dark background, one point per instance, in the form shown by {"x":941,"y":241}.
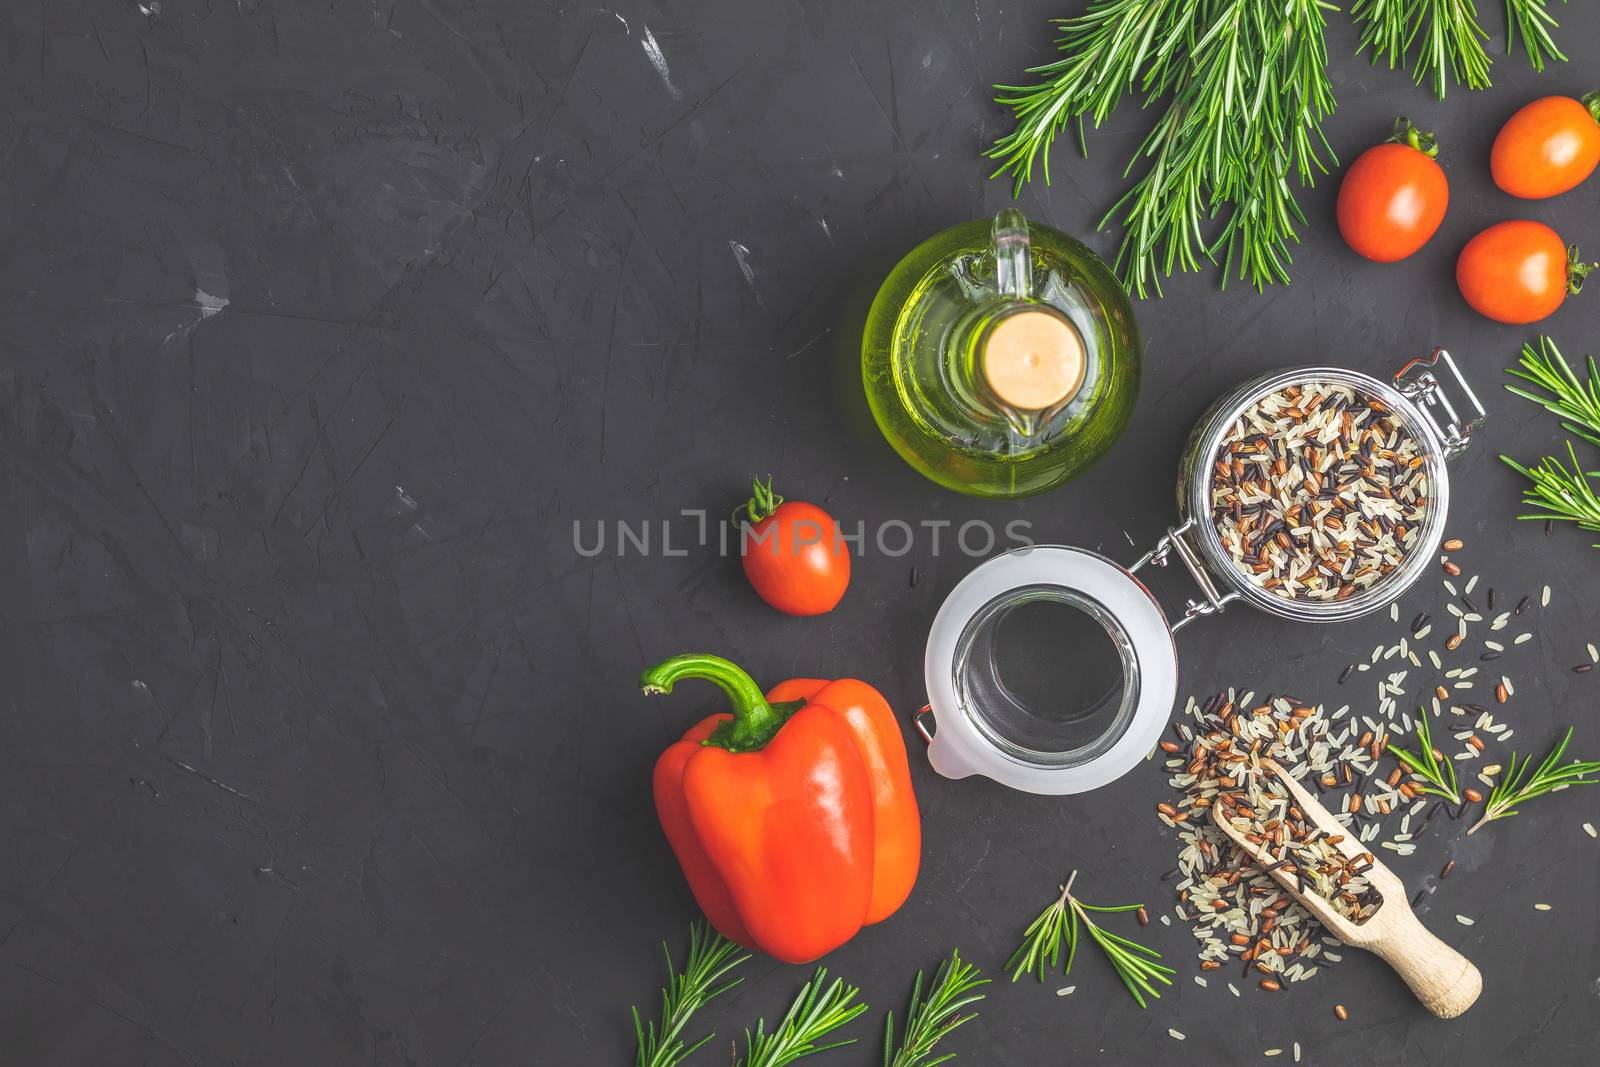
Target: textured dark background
{"x":325,"y":322}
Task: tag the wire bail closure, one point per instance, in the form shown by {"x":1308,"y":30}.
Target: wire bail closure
{"x":916,"y":720}
{"x":1176,"y":539}
{"x":1418,"y":383}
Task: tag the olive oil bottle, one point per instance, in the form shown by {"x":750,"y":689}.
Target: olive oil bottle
{"x":1001,"y":358}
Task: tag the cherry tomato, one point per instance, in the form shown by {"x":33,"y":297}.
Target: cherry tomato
{"x":1393,"y":197}
{"x":1518,"y":271}
{"x":794,"y":555}
{"x":1547,"y":147}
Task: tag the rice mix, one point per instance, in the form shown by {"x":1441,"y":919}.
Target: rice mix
{"x":1236,"y":910}
{"x":1264,"y":811}
{"x":1318,"y":491}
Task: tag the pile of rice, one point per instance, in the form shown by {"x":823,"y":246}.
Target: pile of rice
{"x":1237,"y":911}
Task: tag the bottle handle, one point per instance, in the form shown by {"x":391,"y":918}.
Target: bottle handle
{"x":1013,"y":255}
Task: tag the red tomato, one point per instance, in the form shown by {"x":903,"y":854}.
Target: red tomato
{"x":1518,"y":271}
{"x":1547,"y":147}
{"x":1393,"y":197}
{"x":794,"y":555}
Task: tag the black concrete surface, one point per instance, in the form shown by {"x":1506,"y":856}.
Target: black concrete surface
{"x":324,"y":324}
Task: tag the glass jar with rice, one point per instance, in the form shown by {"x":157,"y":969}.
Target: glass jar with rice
{"x":1315,"y":493}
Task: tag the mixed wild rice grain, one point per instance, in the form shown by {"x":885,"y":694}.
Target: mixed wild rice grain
{"x":1265,"y":812}
{"x":1318,"y":492}
{"x":1238,"y":912}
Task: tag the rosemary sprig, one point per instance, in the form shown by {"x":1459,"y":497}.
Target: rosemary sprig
{"x":1448,"y":31}
{"x":817,"y":1011}
{"x":1058,"y":925}
{"x":1562,"y":394}
{"x":931,"y":1019}
{"x":711,"y":957}
{"x":1440,"y":775}
{"x":1560,"y":495}
{"x":1104,"y":51}
{"x":1242,"y":87}
{"x":1535,"y":22}
{"x":1516,"y":787}
{"x":1449,"y":38}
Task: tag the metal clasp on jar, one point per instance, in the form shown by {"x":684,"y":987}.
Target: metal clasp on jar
{"x":1177,"y":540}
{"x":1418,"y":383}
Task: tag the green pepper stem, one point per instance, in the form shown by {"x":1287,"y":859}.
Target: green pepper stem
{"x":754,"y":721}
{"x":1407,"y":134}
{"x":1592,"y":102}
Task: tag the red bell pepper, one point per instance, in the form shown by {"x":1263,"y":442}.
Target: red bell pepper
{"x":793,"y":817}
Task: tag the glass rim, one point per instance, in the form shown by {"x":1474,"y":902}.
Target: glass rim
{"x":1116,"y":633}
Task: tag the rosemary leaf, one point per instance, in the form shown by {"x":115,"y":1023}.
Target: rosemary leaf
{"x":1439,"y":775}
{"x":1517,"y":786}
{"x":711,"y":957}
{"x":1533,"y":20}
{"x":931,"y":1019}
{"x":817,"y":1011}
{"x":1560,"y":495}
{"x":1560,"y":392}
{"x":1041,"y":942}
{"x":1448,"y":37}
{"x":1058,"y":924}
{"x":1240,"y":88}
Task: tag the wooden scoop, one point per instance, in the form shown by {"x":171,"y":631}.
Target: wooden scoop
{"x":1443,"y":979}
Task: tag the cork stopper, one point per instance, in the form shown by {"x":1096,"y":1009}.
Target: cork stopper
{"x":1033,"y":360}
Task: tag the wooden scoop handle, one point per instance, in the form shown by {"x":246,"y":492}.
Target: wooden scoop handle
{"x":1444,"y":980}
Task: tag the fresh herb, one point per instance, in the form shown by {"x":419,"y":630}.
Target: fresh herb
{"x":1244,"y":89}
{"x":1535,"y":23}
{"x":711,"y":957}
{"x":1058,"y":925}
{"x":1577,"y":403}
{"x":1517,"y":787}
{"x":931,"y":1019}
{"x":1440,"y":775}
{"x":1449,"y":38}
{"x":1560,"y":495}
{"x":817,"y":1011}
